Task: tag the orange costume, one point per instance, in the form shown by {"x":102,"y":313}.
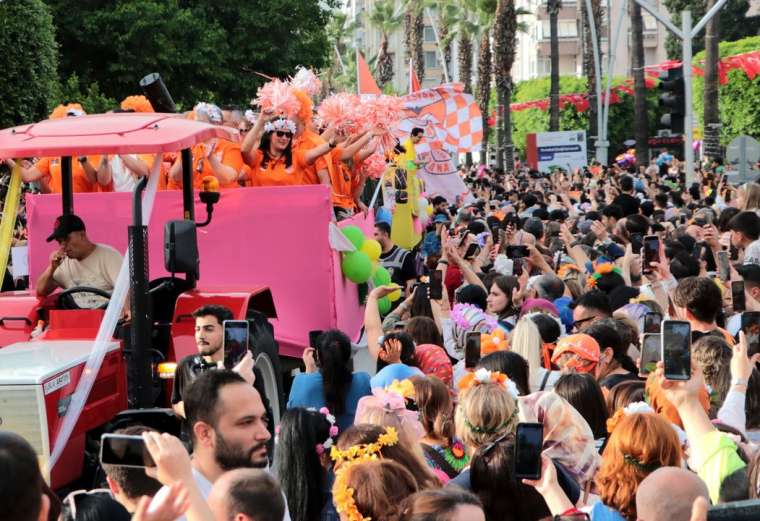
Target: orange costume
{"x":51,"y":169}
{"x":275,"y":173}
{"x":345,"y":180}
{"x":228,"y":154}
{"x":305,"y":142}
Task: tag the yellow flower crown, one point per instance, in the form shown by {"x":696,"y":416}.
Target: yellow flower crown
{"x":404,"y":388}
{"x":366,"y":451}
{"x":343,"y":496}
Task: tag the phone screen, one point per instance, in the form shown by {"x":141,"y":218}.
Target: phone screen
{"x":650,"y":353}
{"x":472,"y":349}
{"x":737,"y":295}
{"x":676,"y":349}
{"x":235,"y":341}
{"x":472,"y":251}
{"x":651,"y":252}
{"x":314,"y":337}
{"x":436,"y":285}
{"x":517,"y":252}
{"x":747,"y":510}
{"x":723,"y":260}
{"x":751,"y":328}
{"x":125,"y":451}
{"x":652,"y":322}
{"x":529,"y":442}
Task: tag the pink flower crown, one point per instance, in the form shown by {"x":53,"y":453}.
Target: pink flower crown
{"x":326,"y":445}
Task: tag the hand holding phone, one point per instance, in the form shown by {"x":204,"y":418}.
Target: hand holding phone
{"x":651,"y":252}
{"x":529,"y":441}
{"x":676,"y":349}
{"x":125,"y":450}
{"x":650,"y":354}
{"x":652,"y":322}
{"x":235,"y":341}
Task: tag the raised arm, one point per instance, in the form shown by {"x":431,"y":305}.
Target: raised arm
{"x":252,"y":140}
{"x":29,"y":172}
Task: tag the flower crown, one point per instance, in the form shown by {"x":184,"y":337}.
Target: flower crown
{"x":565,"y":270}
{"x":250,"y":116}
{"x":404,"y":388}
{"x":466,"y":316}
{"x":631,"y":408}
{"x":365,"y":451}
{"x":602,"y":269}
{"x":281,"y":124}
{"x":494,"y":341}
{"x":484,"y":376}
{"x":326,"y":445}
{"x":343,"y":496}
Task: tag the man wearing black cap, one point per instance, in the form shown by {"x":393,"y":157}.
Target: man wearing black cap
{"x":79,"y":262}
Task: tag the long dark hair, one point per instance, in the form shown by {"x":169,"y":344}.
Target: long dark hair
{"x":297,"y":463}
{"x":421,"y":303}
{"x":266,"y":139}
{"x":511,"y":364}
{"x":583,"y":392}
{"x":334,"y":359}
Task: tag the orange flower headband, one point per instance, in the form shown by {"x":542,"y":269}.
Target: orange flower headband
{"x":484,"y":376}
{"x":602,"y":269}
{"x":494,"y":341}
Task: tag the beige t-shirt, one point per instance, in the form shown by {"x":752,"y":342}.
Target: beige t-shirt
{"x":98,"y":270}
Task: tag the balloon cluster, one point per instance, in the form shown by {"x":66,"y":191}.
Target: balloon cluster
{"x":363,"y":265}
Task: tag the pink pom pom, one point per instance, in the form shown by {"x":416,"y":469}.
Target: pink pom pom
{"x":307,"y":81}
{"x":333,"y":431}
{"x":384,"y":112}
{"x":374,"y":166}
{"x":340,"y":111}
{"x":278,"y":96}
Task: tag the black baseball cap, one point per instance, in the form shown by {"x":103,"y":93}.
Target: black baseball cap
{"x":64,"y":225}
{"x":749,"y":272}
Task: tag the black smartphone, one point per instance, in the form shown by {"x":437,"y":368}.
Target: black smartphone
{"x":517,"y":252}
{"x":676,"y":349}
{"x":436,"y":285}
{"x":748,"y":510}
{"x":517,"y":267}
{"x":314,"y":337}
{"x":125,"y":451}
{"x":472,"y":250}
{"x":235,"y":341}
{"x":751,"y":328}
{"x":737,"y":296}
{"x":529,"y":442}
{"x":652,"y":322}
{"x":471,"y":349}
{"x":637,"y":241}
{"x":722,"y":262}
{"x":651,"y":252}
{"x":650,"y":354}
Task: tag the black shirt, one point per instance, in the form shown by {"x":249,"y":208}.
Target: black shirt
{"x":188,"y":370}
{"x":400,"y":264}
{"x":614,"y":379}
{"x":628,"y":203}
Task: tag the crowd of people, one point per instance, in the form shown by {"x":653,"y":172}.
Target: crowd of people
{"x":549,"y":272}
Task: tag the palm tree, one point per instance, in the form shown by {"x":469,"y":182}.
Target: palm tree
{"x":640,"y":115}
{"x":505,"y":39}
{"x":448,"y":13}
{"x":341,"y":73}
{"x":588,"y":61}
{"x":711,"y":115}
{"x":553,"y":7}
{"x":484,"y":87}
{"x":414,"y":28}
{"x":384,"y":18}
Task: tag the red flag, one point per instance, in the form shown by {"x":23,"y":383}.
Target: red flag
{"x":414,"y":81}
{"x":365,"y":83}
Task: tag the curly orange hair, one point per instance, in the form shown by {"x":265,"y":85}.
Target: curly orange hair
{"x":137,"y":103}
{"x":661,"y":405}
{"x":640,"y":443}
{"x":305,"y":113}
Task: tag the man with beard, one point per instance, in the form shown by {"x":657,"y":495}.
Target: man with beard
{"x":209,"y":337}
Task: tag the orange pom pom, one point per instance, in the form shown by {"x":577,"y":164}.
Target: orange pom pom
{"x":137,"y":103}
{"x":62,"y":111}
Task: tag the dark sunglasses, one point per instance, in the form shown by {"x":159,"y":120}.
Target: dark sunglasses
{"x":280,"y":133}
{"x":578,"y":323}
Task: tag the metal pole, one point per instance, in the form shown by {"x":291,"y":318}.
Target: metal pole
{"x":188,"y":204}
{"x":611,"y":65}
{"x":601,"y":141}
{"x":664,"y":21}
{"x":688,"y":151}
{"x":67,"y":187}
{"x":706,"y":18}
{"x":440,"y":46}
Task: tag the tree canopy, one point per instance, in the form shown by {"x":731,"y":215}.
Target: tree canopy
{"x":204,"y":50}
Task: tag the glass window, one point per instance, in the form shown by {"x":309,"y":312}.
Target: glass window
{"x":431,"y":60}
{"x":429,"y":34}
{"x":650,"y":22}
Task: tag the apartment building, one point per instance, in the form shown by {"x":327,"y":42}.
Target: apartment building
{"x":533,"y":46}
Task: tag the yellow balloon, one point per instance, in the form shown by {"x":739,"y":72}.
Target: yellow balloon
{"x":429,"y":210}
{"x":393,"y":297}
{"x":372,"y":248}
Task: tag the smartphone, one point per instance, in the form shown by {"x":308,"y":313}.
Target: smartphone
{"x":463,"y":239}
{"x":235,"y":341}
{"x":314,"y":337}
{"x":557,"y":260}
{"x":637,"y":241}
{"x":737,"y":296}
{"x":751,"y":328}
{"x":676,"y":349}
{"x":529,"y":442}
{"x":722,"y":262}
{"x":651,"y":252}
{"x":436,"y":285}
{"x":748,"y":510}
{"x":650,"y":354}
{"x":472,"y":349}
{"x":472,"y":251}
{"x":125,"y":451}
{"x":517,"y":252}
{"x":652,"y":322}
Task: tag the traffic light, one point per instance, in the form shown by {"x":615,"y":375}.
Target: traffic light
{"x":672,"y":99}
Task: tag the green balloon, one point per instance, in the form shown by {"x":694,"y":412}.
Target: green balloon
{"x":355,"y":235}
{"x":357,"y":267}
{"x":381,"y":277}
{"x":384,"y":305}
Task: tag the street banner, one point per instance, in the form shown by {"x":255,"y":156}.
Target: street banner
{"x":564,"y":149}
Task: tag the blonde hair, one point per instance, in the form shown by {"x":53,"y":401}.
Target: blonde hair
{"x":484,"y":412}
{"x":526,"y":341}
{"x":751,"y":197}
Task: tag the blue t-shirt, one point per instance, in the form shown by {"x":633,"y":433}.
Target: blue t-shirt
{"x":399,"y":372}
{"x":307,"y":392}
{"x":601,"y":512}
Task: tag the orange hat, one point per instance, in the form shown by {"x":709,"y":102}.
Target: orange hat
{"x":660,"y":403}
{"x":584,"y":347}
{"x":137,"y":103}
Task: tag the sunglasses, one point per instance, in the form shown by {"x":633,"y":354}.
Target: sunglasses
{"x":280,"y":133}
{"x":578,"y":323}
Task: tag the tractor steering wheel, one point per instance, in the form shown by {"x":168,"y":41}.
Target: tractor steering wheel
{"x":66,"y":298}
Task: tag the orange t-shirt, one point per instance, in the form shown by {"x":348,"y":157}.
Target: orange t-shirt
{"x":305,"y":142}
{"x":51,"y":168}
{"x":275,"y":173}
{"x":228,"y":154}
{"x":342,"y":182}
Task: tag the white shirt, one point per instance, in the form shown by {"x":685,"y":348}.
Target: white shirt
{"x":752,"y":253}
